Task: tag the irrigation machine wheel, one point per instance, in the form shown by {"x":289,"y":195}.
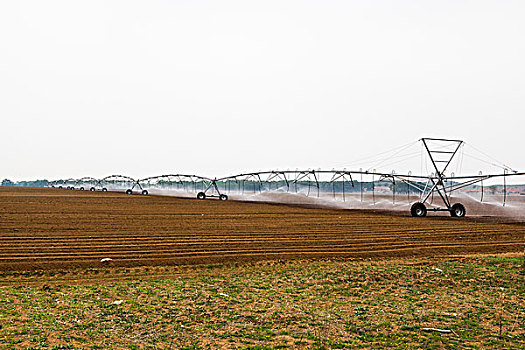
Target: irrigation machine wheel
{"x":129,"y":191}
{"x":418,"y":210}
{"x":223,"y":197}
{"x":104,"y":189}
{"x":201,"y":195}
{"x":458,"y":210}
{"x":81,"y":188}
{"x":145,"y":192}
{"x":92,"y":189}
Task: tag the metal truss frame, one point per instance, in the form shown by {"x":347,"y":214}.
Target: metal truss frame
{"x":429,"y":186}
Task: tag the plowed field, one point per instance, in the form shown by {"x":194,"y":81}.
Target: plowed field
{"x":61,"y":229}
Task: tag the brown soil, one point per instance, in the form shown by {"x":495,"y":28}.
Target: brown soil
{"x":54,"y":229}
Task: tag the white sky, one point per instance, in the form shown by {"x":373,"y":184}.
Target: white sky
{"x":93,"y":88}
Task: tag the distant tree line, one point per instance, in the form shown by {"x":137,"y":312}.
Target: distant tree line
{"x":34,"y":183}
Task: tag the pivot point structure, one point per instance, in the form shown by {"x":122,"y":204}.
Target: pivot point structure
{"x":440,"y":157}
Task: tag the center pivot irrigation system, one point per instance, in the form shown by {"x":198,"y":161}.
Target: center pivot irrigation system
{"x":440,"y":154}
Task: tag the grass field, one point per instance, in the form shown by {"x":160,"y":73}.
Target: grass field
{"x":270,"y":305}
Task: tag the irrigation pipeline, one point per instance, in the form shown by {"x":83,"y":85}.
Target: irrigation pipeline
{"x":440,"y":156}
{"x":309,"y":182}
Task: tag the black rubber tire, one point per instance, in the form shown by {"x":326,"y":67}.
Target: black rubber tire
{"x":59,"y":186}
{"x":92,"y":189}
{"x":145,"y":192}
{"x":201,"y":195}
{"x":129,"y":191}
{"x":104,"y":189}
{"x":223,"y":197}
{"x":418,"y":210}
{"x":81,"y":188}
{"x":458,"y":210}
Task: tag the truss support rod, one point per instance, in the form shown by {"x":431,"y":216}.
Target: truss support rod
{"x":504,"y":187}
{"x":344,"y":198}
{"x":408,"y":183}
{"x":393,"y":188}
{"x":456,"y":187}
{"x":287,"y":183}
{"x":434,"y":189}
{"x":408,"y":190}
{"x":443,"y":195}
{"x":361,"y":186}
{"x":373,"y":190}
{"x":482,"y":189}
{"x":316,"y":183}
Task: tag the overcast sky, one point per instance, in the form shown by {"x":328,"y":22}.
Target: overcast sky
{"x":93,"y":88}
